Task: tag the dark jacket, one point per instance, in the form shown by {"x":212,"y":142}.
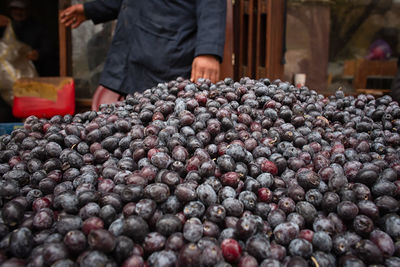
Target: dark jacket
{"x":156,"y":40}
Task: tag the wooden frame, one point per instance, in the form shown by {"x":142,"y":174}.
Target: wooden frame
{"x":244,"y":25}
{"x":263,"y":20}
{"x":259,"y":38}
{"x":274,"y":39}
{"x":229,"y":60}
{"x":65,"y":41}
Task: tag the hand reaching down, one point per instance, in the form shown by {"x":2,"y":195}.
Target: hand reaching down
{"x":205,"y":66}
{"x":73,"y":16}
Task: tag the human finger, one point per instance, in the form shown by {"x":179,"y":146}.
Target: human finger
{"x":69,"y":22}
{"x":199,"y":74}
{"x":216,"y":75}
{"x":68,"y":14}
{"x":194,"y":70}
{"x":65,"y":14}
{"x":76,"y":23}
{"x":67,"y":18}
{"x":213,"y":77}
{"x":209,"y":74}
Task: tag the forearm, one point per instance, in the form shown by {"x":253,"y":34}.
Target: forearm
{"x":100,"y":11}
{"x":211,"y":20}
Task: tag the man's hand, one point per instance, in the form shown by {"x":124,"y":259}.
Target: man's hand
{"x":33,"y":55}
{"x":73,"y":16}
{"x":4,"y":21}
{"x":205,"y":66}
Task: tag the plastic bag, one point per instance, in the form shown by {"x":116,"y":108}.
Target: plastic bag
{"x":14,"y":63}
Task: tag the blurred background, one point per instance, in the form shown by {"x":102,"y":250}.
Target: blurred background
{"x":325,"y":44}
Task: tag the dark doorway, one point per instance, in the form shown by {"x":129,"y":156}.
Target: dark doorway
{"x":44,"y":14}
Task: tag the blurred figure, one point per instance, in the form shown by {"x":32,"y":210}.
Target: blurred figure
{"x":379,"y":50}
{"x":27,"y":30}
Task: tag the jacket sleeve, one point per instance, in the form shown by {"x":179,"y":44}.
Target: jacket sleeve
{"x":102,"y":10}
{"x":211,"y":20}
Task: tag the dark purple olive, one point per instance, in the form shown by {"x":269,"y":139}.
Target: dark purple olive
{"x":135,"y":227}
{"x":171,"y":175}
{"x":101,"y":239}
{"x":259,"y":247}
{"x":54,"y":251}
{"x":383,"y":241}
{"x":368,"y":251}
{"x":168,"y":224}
{"x":21,"y":242}
{"x":347,"y":210}
{"x":300,"y":247}
{"x":285,"y":232}
{"x":189,"y":255}
{"x":12,"y":213}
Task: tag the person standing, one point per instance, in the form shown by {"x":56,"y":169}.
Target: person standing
{"x":156,"y":41}
{"x":44,"y":53}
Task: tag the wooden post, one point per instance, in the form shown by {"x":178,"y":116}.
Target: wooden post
{"x":239,"y":58}
{"x":244,"y":43}
{"x":275,"y":31}
{"x":65,"y":40}
{"x":250,"y":51}
{"x":227,"y":64}
{"x":261,"y":39}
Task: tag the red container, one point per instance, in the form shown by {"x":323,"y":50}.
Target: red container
{"x":44,"y":97}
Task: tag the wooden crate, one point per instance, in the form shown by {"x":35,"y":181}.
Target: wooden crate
{"x":373,"y":68}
